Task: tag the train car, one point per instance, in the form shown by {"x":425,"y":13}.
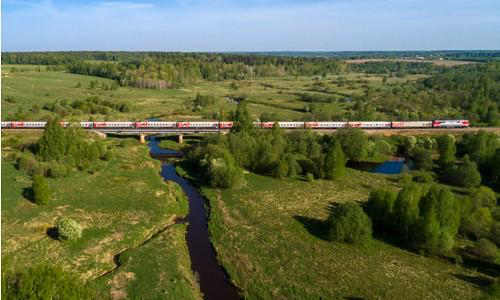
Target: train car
{"x":64,"y":124}
{"x":450,"y":123}
{"x":155,"y":124}
{"x":371,"y":124}
{"x":291,"y":125}
{"x":116,"y":124}
{"x":325,"y":125}
{"x":207,"y":125}
{"x":6,"y":124}
{"x":86,"y":125}
{"x":225,"y":125}
{"x":27,"y":125}
{"x":266,"y":124}
{"x":412,"y":124}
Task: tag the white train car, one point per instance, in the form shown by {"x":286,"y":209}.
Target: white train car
{"x":210,"y":125}
{"x":291,"y":125}
{"x":6,"y":124}
{"x":450,"y":123}
{"x":116,"y":124}
{"x":325,"y":125}
{"x":27,"y":125}
{"x":155,"y":124}
{"x":370,"y":124}
{"x":412,"y":124}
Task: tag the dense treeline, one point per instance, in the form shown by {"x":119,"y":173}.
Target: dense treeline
{"x":164,"y":70}
{"x":397,"y":68}
{"x":275,"y":153}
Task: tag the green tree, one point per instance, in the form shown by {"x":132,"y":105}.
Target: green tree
{"x":243,"y":121}
{"x":422,"y":158}
{"x":447,"y":150}
{"x":406,"y":210}
{"x":349,"y":223}
{"x":478,"y":223}
{"x":467,"y":174}
{"x":354,"y":143}
{"x":439,"y":222}
{"x":41,"y":190}
{"x":483,"y":197}
{"x":335,"y":162}
{"x":380,"y":205}
{"x":53,"y":144}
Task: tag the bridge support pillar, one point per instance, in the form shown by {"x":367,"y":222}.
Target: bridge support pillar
{"x":142,"y":138}
{"x":181,"y":139}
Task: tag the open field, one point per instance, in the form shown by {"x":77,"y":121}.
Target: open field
{"x":277,"y":97}
{"x":125,"y":208}
{"x":270,"y":236}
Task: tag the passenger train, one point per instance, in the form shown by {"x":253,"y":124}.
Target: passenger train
{"x":229,"y":125}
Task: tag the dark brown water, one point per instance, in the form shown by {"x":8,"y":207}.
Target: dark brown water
{"x":214,"y":282}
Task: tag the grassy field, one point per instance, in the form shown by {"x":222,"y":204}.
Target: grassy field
{"x":271,"y":237}
{"x":126,"y":208}
{"x":274,"y":96}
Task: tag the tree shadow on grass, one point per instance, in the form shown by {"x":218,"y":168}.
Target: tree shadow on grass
{"x":476,"y":280}
{"x":29,"y":194}
{"x":318,"y":228}
{"x":53,"y":233}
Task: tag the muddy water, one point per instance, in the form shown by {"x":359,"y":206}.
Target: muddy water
{"x":214,"y":282}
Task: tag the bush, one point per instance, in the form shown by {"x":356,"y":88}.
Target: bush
{"x":57,"y":169}
{"x":41,"y":191}
{"x":68,"y":229}
{"x":27,"y":163}
{"x":483,"y":197}
{"x":477,"y":223}
{"x":108,"y":155}
{"x":309,"y":177}
{"x":484,"y":250}
{"x":349,"y":223}
{"x":43,"y":282}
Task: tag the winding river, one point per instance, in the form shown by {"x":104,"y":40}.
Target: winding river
{"x":214,"y":282}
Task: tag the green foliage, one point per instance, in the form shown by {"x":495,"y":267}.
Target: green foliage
{"x":202,"y":101}
{"x":41,"y":190}
{"x":380,"y":205}
{"x":219,"y":167}
{"x":27,"y":163}
{"x":309,"y":177}
{"x":477,"y":223}
{"x":44,"y":282}
{"x":439,"y":221}
{"x":354,"y":143}
{"x":422,"y":158}
{"x":243,"y":121}
{"x":406,"y":211}
{"x":447,"y":150}
{"x":53,"y":144}
{"x":465,"y":175}
{"x":484,"y":250}
{"x":57,"y":169}
{"x":68,"y":229}
{"x":483,"y":197}
{"x":349,"y":223}
{"x":335,"y":162}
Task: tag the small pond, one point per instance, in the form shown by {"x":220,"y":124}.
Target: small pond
{"x":392,"y":166}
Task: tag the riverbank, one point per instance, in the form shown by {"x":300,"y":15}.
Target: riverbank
{"x":130,"y":246}
{"x":270,"y":235}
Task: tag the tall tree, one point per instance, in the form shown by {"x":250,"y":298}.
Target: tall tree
{"x":335,"y":162}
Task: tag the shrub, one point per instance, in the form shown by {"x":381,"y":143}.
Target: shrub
{"x":483,"y":197}
{"x":57,"y":169}
{"x":108,"y":156}
{"x":484,"y":250}
{"x":478,"y":223}
{"x":309,"y":177}
{"x":68,"y":229}
{"x":41,"y":191}
{"x":43,"y":282}
{"x":349,"y":223}
{"x":27,"y":163}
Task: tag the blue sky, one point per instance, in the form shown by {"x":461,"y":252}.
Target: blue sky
{"x":261,"y":25}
